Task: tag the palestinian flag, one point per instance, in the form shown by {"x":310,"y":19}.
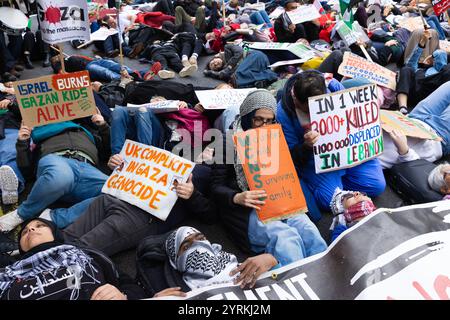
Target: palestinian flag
{"x":346,"y":12}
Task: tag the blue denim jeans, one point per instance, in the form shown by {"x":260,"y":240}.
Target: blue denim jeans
{"x":105,"y":70}
{"x":8,"y":154}
{"x":63,"y":179}
{"x":287,"y":240}
{"x":434,"y":23}
{"x":130,"y":123}
{"x":260,"y":17}
{"x":435,"y":111}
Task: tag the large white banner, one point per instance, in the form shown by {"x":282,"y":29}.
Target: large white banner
{"x":63,"y":20}
{"x":303,"y":14}
{"x":148,"y":177}
{"x":392,"y":254}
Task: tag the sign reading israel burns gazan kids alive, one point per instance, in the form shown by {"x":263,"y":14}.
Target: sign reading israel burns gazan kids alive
{"x":348,"y":123}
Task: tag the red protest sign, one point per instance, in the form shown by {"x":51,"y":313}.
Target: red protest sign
{"x":440,"y":6}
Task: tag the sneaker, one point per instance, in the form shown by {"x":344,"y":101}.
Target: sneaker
{"x":9,"y":221}
{"x":137,"y":49}
{"x":185,"y":63}
{"x":193,"y":60}
{"x":9,"y":185}
{"x":153,"y":71}
{"x":166,"y":74}
{"x":188,"y":71}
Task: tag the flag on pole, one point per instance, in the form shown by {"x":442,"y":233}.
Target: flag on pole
{"x":346,"y":12}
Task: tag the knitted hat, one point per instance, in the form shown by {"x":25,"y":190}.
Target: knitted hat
{"x":258,"y":99}
{"x":336,"y":205}
{"x":436,"y":178}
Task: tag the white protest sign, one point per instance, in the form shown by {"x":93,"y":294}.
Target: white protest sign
{"x":348,"y":123}
{"x":62,"y":21}
{"x":411,"y":24}
{"x":276,"y":13}
{"x":102,"y":33}
{"x":147,"y":178}
{"x":351,"y":36}
{"x":303,"y":14}
{"x":354,"y":66}
{"x":444,"y":45}
{"x":222,"y":99}
{"x":288,"y":62}
{"x":299,"y":49}
{"x":159,"y":106}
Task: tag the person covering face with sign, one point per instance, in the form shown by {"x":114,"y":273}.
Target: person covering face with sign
{"x":288,"y":240}
{"x":366,"y":177}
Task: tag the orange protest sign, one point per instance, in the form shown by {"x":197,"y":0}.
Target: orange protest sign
{"x":55,"y":98}
{"x":268,"y":166}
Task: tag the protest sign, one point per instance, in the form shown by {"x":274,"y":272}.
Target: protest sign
{"x":268,"y":166}
{"x":299,"y":49}
{"x":288,"y":62}
{"x":395,"y":120}
{"x":440,"y":6}
{"x":102,"y":33}
{"x":159,"y":106}
{"x":223,"y":98}
{"x":354,"y":66}
{"x":62,"y":21}
{"x":411,"y":24}
{"x":303,"y":14}
{"x":392,"y":254}
{"x":353,"y":35}
{"x":147,"y":178}
{"x":348,"y":123}
{"x":55,"y":98}
{"x":276,"y":13}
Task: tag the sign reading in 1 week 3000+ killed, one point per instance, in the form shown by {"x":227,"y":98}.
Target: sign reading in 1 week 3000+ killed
{"x":348,"y":123}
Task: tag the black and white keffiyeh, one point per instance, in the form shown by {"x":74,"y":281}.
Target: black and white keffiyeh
{"x":203,"y":263}
{"x":50,"y":261}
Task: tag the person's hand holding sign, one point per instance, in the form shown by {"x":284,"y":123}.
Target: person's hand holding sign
{"x":184,"y":190}
{"x":252,"y":268}
{"x":250,"y":199}
{"x":4,"y":103}
{"x":311,"y":138}
{"x":98,"y":119}
{"x":115,"y":161}
{"x":24,"y":133}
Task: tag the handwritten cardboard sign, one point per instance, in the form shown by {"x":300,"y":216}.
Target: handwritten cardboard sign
{"x":222,"y":99}
{"x":55,"y":98}
{"x":354,"y":66}
{"x":391,"y":120}
{"x":102,"y":33}
{"x":147,"y":178}
{"x":411,"y":24}
{"x":62,"y":21}
{"x":159,"y":106}
{"x":303,"y":14}
{"x":348,"y":123}
{"x":440,"y":6}
{"x":268,"y":166}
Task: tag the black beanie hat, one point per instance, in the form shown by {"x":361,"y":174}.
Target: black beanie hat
{"x":55,"y":231}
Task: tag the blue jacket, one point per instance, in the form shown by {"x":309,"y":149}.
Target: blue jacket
{"x":294,"y":132}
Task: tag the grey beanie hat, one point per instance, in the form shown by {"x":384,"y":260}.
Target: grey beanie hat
{"x":258,"y":99}
{"x":436,"y":178}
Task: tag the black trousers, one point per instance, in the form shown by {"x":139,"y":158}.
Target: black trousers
{"x":331,"y":64}
{"x":168,"y":57}
{"x":33,"y":44}
{"x":165,"y":6}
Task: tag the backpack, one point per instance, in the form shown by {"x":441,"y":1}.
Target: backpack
{"x":153,"y":270}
